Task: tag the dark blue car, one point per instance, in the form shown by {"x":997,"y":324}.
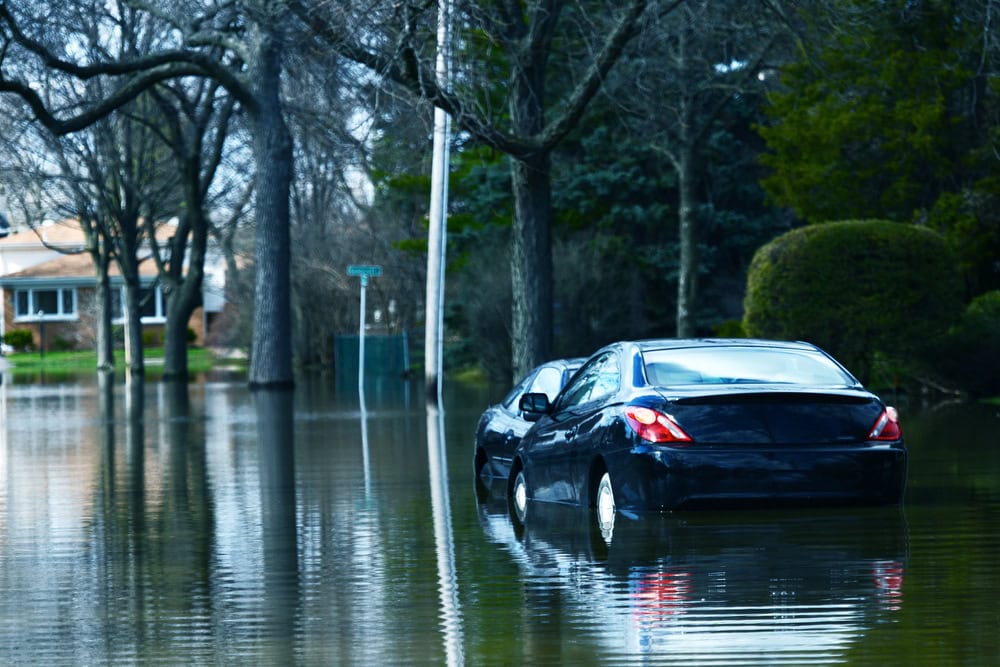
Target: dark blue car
{"x":500,"y":428}
{"x":678,"y":423}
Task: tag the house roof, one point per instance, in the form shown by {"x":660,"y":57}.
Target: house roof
{"x":63,"y":233}
{"x":73,"y":269}
{"x":79,"y":265}
{"x":67,"y":269}
{"x":67,"y":233}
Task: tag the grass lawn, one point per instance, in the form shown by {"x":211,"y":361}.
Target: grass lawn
{"x":199,"y":361}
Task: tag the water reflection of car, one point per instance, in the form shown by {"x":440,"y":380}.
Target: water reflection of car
{"x":502,"y":425}
{"x":668,"y":424}
{"x":775,"y":586}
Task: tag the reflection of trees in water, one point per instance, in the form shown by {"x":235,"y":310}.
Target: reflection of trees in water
{"x":279,"y":599}
{"x":152,"y":524}
{"x":154,"y":534}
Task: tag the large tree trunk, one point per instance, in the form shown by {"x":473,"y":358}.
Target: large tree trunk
{"x":128,"y":264}
{"x":271,"y":349}
{"x":531,"y":264}
{"x":134,"y":361}
{"x":182,"y":298}
{"x":175,"y":365}
{"x":531,"y":240}
{"x":98,"y":247}
{"x":183,"y":291}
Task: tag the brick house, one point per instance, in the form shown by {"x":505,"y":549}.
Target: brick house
{"x":45,"y":289}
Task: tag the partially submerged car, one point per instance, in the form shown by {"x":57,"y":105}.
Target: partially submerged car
{"x":502,"y":425}
{"x":679,"y":423}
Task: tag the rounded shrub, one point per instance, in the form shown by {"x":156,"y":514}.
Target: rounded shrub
{"x":20,"y":339}
{"x":856,"y":289}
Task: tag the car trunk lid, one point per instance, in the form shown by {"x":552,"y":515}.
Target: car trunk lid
{"x":772,"y":414}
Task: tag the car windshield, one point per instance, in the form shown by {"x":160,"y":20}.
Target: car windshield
{"x":742,"y":364}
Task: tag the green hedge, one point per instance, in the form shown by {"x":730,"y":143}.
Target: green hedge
{"x":857,"y":289}
{"x":20,"y":339}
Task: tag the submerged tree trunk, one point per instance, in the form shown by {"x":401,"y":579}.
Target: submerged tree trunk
{"x":175,"y":343}
{"x":134,"y":361}
{"x":271,"y":352}
{"x":127,"y":258}
{"x":98,"y":247}
{"x":182,"y":299}
{"x":102,"y":317}
{"x":183,"y":289}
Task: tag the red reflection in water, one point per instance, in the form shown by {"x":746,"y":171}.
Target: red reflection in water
{"x":661,"y":595}
{"x":888,"y":576}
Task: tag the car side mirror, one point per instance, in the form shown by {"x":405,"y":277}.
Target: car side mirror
{"x":534,"y":405}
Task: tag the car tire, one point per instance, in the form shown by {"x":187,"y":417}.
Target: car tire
{"x":519,"y":496}
{"x":604,"y":506}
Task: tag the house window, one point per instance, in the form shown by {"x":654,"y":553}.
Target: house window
{"x":151,"y":305}
{"x":45,"y":303}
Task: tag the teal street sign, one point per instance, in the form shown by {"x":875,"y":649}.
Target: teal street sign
{"x":364,"y":270}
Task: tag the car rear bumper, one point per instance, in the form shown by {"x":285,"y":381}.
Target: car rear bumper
{"x":662,"y":478}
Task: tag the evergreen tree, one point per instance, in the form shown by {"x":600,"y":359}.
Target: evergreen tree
{"x":895,"y":117}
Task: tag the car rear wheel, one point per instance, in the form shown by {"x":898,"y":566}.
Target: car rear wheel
{"x":604,"y":503}
{"x":519,"y":496}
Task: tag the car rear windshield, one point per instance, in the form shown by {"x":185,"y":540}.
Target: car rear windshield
{"x":740,"y":365}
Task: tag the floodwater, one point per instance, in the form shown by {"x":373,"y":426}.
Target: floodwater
{"x":215,"y":525}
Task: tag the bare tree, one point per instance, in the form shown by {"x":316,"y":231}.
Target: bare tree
{"x":525,"y":73}
{"x":326,"y":211}
{"x":240,"y":46}
{"x":195,"y":126}
{"x":685,"y":70}
{"x":111,"y":176}
{"x":43,"y":177}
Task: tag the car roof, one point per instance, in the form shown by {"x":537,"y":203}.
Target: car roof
{"x":674,"y":343}
{"x":567,"y":363}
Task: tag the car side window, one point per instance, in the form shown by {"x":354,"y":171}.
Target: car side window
{"x":511,"y":399}
{"x":596,"y":380}
{"x":548,"y":381}
{"x":608,"y":380}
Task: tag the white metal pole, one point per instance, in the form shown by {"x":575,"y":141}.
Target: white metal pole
{"x":438,"y":214}
{"x":361,"y":345}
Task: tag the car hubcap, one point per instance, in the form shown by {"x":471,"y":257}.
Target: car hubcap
{"x":605,"y":506}
{"x":520,"y":495}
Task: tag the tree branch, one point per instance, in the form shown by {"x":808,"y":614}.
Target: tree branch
{"x":591,"y":83}
{"x":130,"y":90}
{"x":145,"y":71}
{"x":417,"y":80}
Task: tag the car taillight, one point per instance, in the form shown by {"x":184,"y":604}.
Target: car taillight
{"x":886,"y":426}
{"x":654,"y":426}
